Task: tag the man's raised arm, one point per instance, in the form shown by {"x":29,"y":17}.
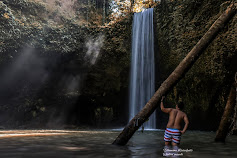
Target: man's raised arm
{"x":166,"y":110}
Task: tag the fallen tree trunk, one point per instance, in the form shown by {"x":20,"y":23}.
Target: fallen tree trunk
{"x":174,"y":77}
{"x":226,"y":119}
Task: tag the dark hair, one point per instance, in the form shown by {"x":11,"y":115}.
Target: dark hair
{"x":181,"y":105}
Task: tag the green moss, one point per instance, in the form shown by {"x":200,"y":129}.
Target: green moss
{"x":180,"y":24}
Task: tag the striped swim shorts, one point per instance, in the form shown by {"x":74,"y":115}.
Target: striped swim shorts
{"x":172,"y":134}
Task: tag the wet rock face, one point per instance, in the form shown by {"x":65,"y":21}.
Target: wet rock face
{"x":81,"y":69}
{"x":78,"y":73}
{"x":27,"y":23}
{"x":204,"y":89}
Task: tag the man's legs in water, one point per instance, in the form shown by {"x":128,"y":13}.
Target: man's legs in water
{"x":167,"y":143}
{"x":175,"y":146}
{"x":167,"y":147}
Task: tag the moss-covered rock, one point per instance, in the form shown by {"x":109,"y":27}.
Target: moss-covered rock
{"x":71,"y":89}
{"x":74,"y":89}
{"x":204,"y":89}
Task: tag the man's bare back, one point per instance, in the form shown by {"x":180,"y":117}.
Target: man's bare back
{"x":175,"y":119}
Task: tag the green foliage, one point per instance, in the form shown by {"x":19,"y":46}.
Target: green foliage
{"x":205,"y":87}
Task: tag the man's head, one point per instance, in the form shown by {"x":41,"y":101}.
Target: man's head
{"x":180,"y":105}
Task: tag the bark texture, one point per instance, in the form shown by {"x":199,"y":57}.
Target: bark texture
{"x":226,"y":119}
{"x":175,"y":76}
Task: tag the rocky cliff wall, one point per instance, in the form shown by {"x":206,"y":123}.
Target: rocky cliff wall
{"x":58,"y":69}
{"x":204,"y":89}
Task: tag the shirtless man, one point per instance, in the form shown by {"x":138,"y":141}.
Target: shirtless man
{"x":173,"y":130}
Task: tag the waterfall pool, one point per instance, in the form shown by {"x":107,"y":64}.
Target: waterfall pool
{"x":97,"y":143}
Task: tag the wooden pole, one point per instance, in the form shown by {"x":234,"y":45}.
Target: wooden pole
{"x":226,"y":119}
{"x":175,"y":76}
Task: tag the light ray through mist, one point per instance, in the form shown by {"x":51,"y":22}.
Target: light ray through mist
{"x":93,"y":48}
{"x":26,"y":69}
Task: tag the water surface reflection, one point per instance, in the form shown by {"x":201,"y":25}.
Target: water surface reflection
{"x":97,"y":143}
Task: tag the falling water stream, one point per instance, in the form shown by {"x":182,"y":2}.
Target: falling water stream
{"x":142,"y":81}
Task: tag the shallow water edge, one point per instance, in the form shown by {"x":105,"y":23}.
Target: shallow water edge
{"x":98,"y":143}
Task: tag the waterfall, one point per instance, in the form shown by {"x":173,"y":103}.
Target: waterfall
{"x":142,"y":79}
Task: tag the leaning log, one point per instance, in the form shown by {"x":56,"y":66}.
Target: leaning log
{"x":226,"y":119}
{"x":175,"y":76}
